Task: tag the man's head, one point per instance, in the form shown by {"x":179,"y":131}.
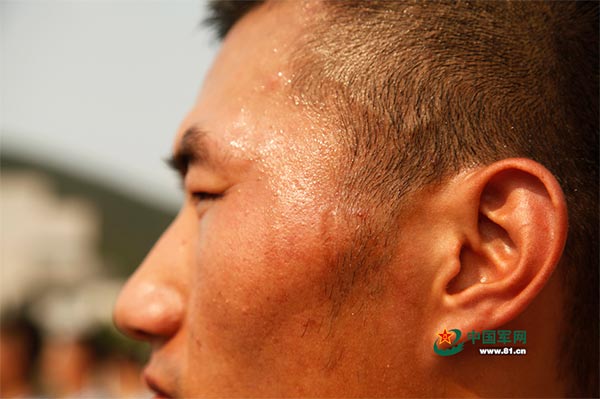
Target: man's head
{"x":360,"y":176}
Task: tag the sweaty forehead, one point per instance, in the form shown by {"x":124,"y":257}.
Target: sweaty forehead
{"x":247,"y":94}
{"x":258,"y":52}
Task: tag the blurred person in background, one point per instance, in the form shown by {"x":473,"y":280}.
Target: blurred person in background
{"x":68,"y":368}
{"x":360,"y":177}
{"x":120,"y":374}
{"x":19,"y":349}
{"x":96,"y":363}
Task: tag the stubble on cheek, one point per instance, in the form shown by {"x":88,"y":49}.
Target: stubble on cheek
{"x":270,"y":305}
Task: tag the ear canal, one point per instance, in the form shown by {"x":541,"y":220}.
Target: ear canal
{"x":487,"y":262}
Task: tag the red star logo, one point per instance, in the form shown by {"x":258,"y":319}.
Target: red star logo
{"x":445,"y":337}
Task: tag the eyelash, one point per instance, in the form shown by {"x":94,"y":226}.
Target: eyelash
{"x":204,"y":196}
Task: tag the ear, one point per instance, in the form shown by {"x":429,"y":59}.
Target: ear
{"x":512,"y":227}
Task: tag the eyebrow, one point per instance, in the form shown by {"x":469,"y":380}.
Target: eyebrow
{"x":193,"y":150}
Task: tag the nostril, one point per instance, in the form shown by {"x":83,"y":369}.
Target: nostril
{"x":140,"y":335}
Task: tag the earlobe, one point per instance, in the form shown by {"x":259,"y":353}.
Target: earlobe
{"x":514,"y":230}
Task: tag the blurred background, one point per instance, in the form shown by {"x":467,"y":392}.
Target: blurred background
{"x":91,"y":94}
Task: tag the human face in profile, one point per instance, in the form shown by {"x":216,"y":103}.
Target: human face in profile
{"x":234,"y":295}
{"x":245,"y":293}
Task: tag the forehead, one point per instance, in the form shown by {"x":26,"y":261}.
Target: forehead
{"x":247,"y":104}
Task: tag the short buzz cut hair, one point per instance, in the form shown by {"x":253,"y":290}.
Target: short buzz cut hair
{"x":426,"y":89}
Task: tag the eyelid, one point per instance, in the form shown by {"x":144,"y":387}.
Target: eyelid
{"x":201,"y":180}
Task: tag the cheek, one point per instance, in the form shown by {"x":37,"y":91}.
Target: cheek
{"x":260,"y":262}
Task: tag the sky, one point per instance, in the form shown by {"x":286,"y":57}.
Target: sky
{"x":99,"y":87}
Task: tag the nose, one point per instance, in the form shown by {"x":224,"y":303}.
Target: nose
{"x":147,"y":310}
{"x":151,"y":305}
